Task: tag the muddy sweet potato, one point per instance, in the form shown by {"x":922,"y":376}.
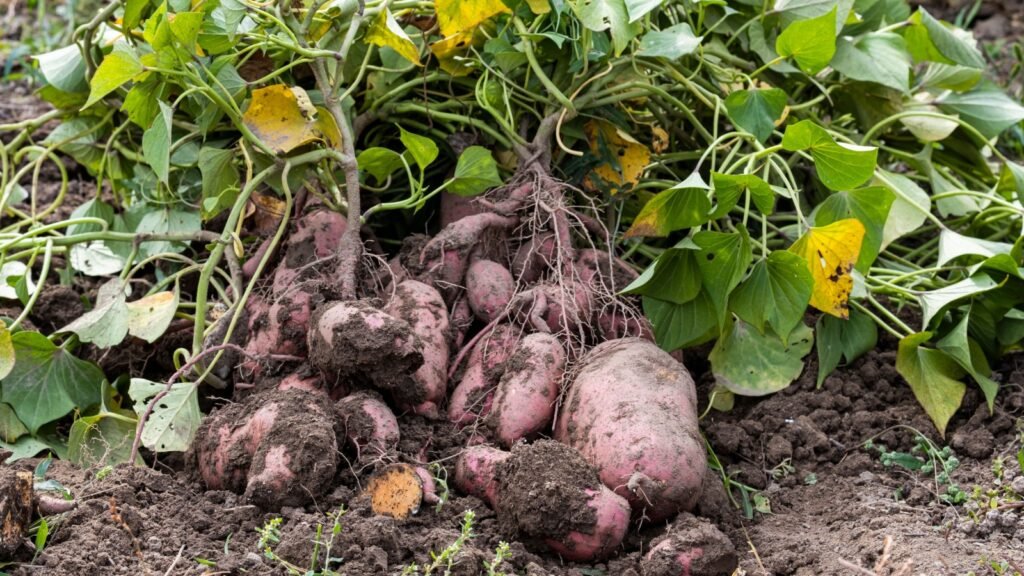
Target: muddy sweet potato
{"x":524,"y":402}
{"x":597,"y":267}
{"x":353,"y":340}
{"x":534,"y":258}
{"x":547,"y":493}
{"x":369,"y":426}
{"x":278,"y":448}
{"x":443,"y":260}
{"x":475,"y":472}
{"x":423,"y":308}
{"x":316,"y":236}
{"x":691,"y":547}
{"x":473,"y":396}
{"x":276,"y":327}
{"x":631,"y":410}
{"x":489,"y":288}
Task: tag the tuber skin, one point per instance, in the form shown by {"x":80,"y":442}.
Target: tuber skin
{"x":489,"y":289}
{"x":316,"y":236}
{"x":691,"y":547}
{"x":475,"y":472}
{"x":445,"y":258}
{"x":278,"y":448}
{"x":473,"y":397}
{"x":631,"y":411}
{"x":534,"y":258}
{"x":423,"y":308}
{"x":369,"y":426}
{"x":524,"y":402}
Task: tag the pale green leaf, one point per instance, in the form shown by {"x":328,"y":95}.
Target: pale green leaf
{"x":422,"y":149}
{"x":175,"y":419}
{"x":475,"y":172}
{"x":120,"y":66}
{"x":156,"y":143}
{"x":935,"y":301}
{"x":750,"y":363}
{"x":107,"y":323}
{"x":673,"y":42}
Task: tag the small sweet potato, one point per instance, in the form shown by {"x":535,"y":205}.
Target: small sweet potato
{"x":489,"y":288}
{"x":278,"y":448}
{"x":595,"y":267}
{"x":444,"y":259}
{"x":276,"y":327}
{"x":474,"y":394}
{"x":475,"y":472}
{"x":369,"y":425}
{"x":355,"y":340}
{"x":316,"y":236}
{"x":534,"y":258}
{"x":524,"y":402}
{"x":691,"y":547}
{"x":423,"y":308}
{"x":631,"y":410}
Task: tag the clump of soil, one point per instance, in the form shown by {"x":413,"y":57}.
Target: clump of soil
{"x":57,"y":307}
{"x":543,"y":492}
{"x":692,"y":546}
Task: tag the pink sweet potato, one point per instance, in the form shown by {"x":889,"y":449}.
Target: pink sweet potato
{"x":423,"y":308}
{"x":369,"y":425}
{"x":524,"y":402}
{"x":444,"y":259}
{"x":278,"y":448}
{"x":277,"y":327}
{"x":353,"y":340}
{"x":489,"y":288}
{"x":475,"y":472}
{"x":474,"y":394}
{"x":691,"y":547}
{"x":631,"y":410}
{"x":316,"y":236}
{"x":534,"y":258}
{"x":595,"y":267}
{"x":455,"y":207}
{"x":546,"y":492}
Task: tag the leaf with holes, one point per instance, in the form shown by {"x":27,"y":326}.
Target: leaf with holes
{"x":175,"y":418}
{"x":749,"y":363}
{"x":870,"y":206}
{"x":624,"y":158}
{"x":830,"y":253}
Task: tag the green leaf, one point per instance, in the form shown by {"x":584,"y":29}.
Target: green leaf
{"x":839,"y":338}
{"x":156,"y":143}
{"x":142,"y":103}
{"x":933,"y":376}
{"x":750,"y":363}
{"x":987,"y":108}
{"x":953,"y":245}
{"x":379,"y":162}
{"x":674,"y":277}
{"x":812,"y":42}
{"x":673,"y":42}
{"x":723,"y":259}
{"x":25,"y":447}
{"x":601,"y":15}
{"x":64,"y":68}
{"x":637,"y":9}
{"x":879,"y":57}
{"x":423,"y":149}
{"x":167,"y":221}
{"x":730,"y":187}
{"x":173,"y":423}
{"x":133,"y":12}
{"x":968,"y":354}
{"x":475,"y":173}
{"x":102,"y":440}
{"x":117,"y":68}
{"x":870,"y":206}
{"x":684,"y":205}
{"x":221,"y":183}
{"x":149,"y":317}
{"x":935,"y":301}
{"x":794,"y":10}
{"x":107,"y":323}
{"x":756,"y":111}
{"x":840,"y":166}
{"x":11,"y":428}
{"x":929,"y":39}
{"x":185,"y":28}
{"x":776,"y":293}
{"x":47,"y":382}
{"x":681,"y":325}
{"x":910,"y":207}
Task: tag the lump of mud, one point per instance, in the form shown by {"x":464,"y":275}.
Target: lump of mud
{"x":692,"y":546}
{"x":278,"y":448}
{"x":544,"y":492}
{"x":356,"y":340}
{"x":57,"y":307}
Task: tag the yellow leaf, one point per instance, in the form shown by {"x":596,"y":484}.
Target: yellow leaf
{"x":282,"y":117}
{"x":539,"y":6}
{"x":6,"y":351}
{"x":831,"y":252}
{"x":630,"y":156}
{"x":328,"y":127}
{"x":659,"y":139}
{"x":385,"y":31}
{"x":449,"y":49}
{"x":458,"y":16}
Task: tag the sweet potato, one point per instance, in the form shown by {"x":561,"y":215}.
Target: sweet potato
{"x":355,"y":340}
{"x":455,"y":207}
{"x":277,"y":327}
{"x":316,"y":236}
{"x":489,"y":288}
{"x":475,"y":472}
{"x":631,"y":411}
{"x":423,"y":308}
{"x":534,"y":258}
{"x":444,"y":259}
{"x":369,"y":425}
{"x":474,"y":394}
{"x":595,"y":267}
{"x":691,"y":547}
{"x":278,"y":448}
{"x":460,"y":319}
{"x":616,"y":324}
{"x":546,"y":492}
{"x":524,"y":402}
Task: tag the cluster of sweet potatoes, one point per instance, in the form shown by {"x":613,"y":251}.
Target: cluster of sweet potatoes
{"x":499,"y":325}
